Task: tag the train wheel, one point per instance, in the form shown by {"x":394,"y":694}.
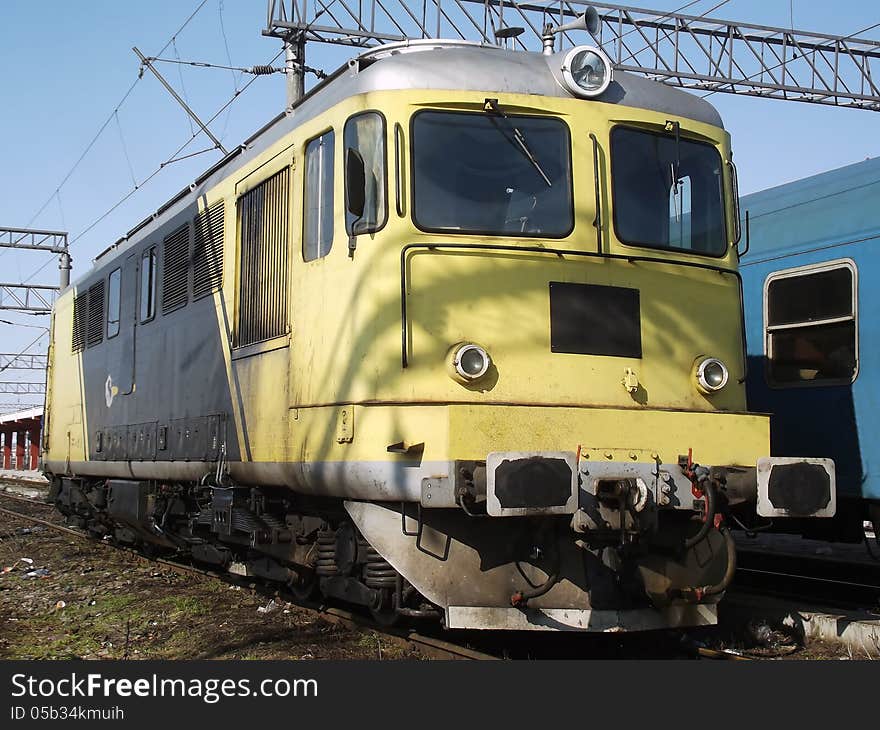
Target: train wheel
{"x":385,"y":611}
{"x":304,"y":586}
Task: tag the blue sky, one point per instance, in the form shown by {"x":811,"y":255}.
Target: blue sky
{"x":64,"y":66}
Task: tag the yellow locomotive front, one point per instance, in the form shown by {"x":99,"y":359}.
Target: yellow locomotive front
{"x":543,"y":353}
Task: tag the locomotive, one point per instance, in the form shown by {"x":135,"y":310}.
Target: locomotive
{"x":458,"y":337}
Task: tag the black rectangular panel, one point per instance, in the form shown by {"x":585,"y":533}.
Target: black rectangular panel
{"x":589,"y":319}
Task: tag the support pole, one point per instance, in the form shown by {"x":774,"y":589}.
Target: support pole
{"x":294,"y":61}
{"x":7,"y":449}
{"x":34,"y":444}
{"x":19,"y":450}
{"x":64,"y":268}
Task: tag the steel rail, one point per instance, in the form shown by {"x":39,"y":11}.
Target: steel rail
{"x":834,"y":583}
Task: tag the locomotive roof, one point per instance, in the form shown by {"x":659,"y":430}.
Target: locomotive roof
{"x":453,"y":65}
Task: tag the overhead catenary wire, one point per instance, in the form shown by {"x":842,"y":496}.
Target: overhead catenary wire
{"x":24,"y":351}
{"x":21,"y":324}
{"x":260,"y":70}
{"x":182,"y":84}
{"x":110,"y":118}
{"x":236,"y":78}
{"x":171,"y":158}
{"x":125,"y":151}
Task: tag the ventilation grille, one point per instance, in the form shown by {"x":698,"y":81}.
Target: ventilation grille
{"x":95,"y":328}
{"x":208,"y":251}
{"x":262,"y":310}
{"x":175,"y":269}
{"x":80,"y":317}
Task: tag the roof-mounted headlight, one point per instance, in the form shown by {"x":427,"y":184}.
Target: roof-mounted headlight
{"x":586,"y":71}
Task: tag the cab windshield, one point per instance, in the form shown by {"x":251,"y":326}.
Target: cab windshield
{"x":668,"y":192}
{"x":492,"y":174}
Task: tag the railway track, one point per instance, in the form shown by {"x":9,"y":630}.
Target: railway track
{"x":820,"y":581}
{"x":492,"y":647}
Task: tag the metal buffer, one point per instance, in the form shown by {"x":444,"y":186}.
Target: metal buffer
{"x":690,"y":51}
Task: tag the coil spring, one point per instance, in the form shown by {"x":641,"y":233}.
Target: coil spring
{"x":244,"y":520}
{"x":378,"y":572}
{"x":325,"y":563}
{"x":206,"y":516}
{"x":272,"y":522}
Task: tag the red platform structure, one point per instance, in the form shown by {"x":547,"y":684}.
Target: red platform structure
{"x":24,"y":428}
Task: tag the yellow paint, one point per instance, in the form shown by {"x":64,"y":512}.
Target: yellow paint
{"x":344,"y":345}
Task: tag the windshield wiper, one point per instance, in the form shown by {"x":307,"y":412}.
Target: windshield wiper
{"x":491,"y":105}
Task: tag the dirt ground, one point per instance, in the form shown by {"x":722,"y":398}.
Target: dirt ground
{"x":62,"y":597}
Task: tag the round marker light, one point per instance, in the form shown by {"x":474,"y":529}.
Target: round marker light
{"x":586,"y":71}
{"x":471,"y":361}
{"x":712,"y":375}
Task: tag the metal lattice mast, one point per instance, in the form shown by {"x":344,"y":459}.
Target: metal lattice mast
{"x":16,"y":388}
{"x":694,"y":52}
{"x":34,"y":298}
{"x":23,"y":361}
{"x":31,"y":239}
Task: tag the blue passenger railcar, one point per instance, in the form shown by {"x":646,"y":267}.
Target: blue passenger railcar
{"x":811,"y":279}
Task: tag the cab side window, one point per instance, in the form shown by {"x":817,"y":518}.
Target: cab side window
{"x":148,"y":285}
{"x":364,"y":134}
{"x":318,"y":201}
{"x":113,"y":303}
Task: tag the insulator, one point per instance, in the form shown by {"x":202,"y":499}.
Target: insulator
{"x":265,"y":70}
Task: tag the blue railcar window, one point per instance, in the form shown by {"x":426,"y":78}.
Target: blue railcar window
{"x":318,"y":205}
{"x":491,"y":174}
{"x":811,"y":325}
{"x":667,"y":195}
{"x":810,"y":297}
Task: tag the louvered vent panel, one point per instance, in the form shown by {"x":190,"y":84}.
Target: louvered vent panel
{"x":175,"y":269}
{"x":80,"y":318}
{"x":263,"y":213}
{"x":95,"y":327}
{"x":208,"y":251}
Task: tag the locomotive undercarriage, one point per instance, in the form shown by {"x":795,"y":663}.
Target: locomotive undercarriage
{"x":310,"y":546}
{"x":614,"y":570}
